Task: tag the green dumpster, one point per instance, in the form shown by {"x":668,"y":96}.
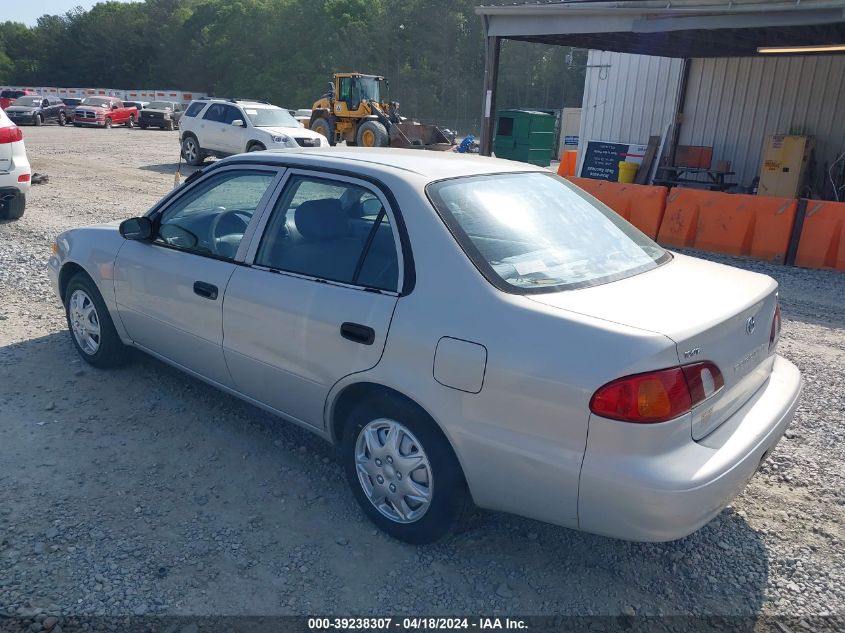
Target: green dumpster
{"x":525,"y":135}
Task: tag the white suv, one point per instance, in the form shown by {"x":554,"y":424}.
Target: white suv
{"x":15,"y":173}
{"x":222,"y":127}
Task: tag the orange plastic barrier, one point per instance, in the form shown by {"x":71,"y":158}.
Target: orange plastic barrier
{"x":822,"y":243}
{"x":568,"y":163}
{"x":730,"y":223}
{"x":641,"y":205}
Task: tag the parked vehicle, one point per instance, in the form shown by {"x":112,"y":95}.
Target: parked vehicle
{"x":71,"y":104}
{"x":222,"y":127}
{"x":104,"y":112}
{"x":37,"y":110}
{"x":8,"y":96}
{"x":161,"y":114}
{"x":138,"y":105}
{"x":460,"y":327}
{"x":15,"y":173}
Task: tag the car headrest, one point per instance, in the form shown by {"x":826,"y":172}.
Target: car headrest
{"x":321,"y":219}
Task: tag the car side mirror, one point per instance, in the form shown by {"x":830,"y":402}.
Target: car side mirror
{"x":137,"y":229}
{"x":238,"y":123}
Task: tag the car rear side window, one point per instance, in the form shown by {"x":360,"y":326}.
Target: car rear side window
{"x":536,"y":232}
{"x":194,"y":109}
{"x":216,"y":112}
{"x":331,"y":230}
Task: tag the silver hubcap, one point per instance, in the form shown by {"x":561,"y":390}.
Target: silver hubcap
{"x":190,"y":150}
{"x":394,"y":470}
{"x":84,"y":322}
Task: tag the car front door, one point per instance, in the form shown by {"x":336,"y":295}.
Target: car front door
{"x":169,"y":290}
{"x":233,"y":137}
{"x":316,"y":301}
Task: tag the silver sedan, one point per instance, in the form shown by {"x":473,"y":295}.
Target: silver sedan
{"x":464,"y":330}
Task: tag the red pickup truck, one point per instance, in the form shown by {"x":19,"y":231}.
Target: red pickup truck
{"x":104,"y":112}
{"x":7,"y":97}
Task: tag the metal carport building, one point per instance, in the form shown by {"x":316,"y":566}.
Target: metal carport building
{"x":728,"y":73}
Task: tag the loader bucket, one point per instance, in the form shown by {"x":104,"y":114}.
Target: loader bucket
{"x":418,"y":136}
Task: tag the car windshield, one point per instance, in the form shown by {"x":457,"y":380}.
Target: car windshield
{"x":535,"y":232}
{"x":270,"y":117}
{"x":369,"y":88}
{"x":97,"y":102}
{"x":159,"y":105}
{"x":28,"y":101}
{"x":72,"y":102}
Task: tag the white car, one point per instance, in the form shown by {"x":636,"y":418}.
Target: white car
{"x":15,"y":173}
{"x":462,"y":328}
{"x":222,"y":127}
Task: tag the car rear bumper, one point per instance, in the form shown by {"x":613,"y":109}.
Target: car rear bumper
{"x":666,"y":495}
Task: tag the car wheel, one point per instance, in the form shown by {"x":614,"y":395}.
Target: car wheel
{"x":143,"y":126}
{"x":107,"y":123}
{"x":192,"y":152}
{"x":324,"y":127}
{"x":38,"y":120}
{"x":130,"y":122}
{"x":402,"y":470}
{"x":255,"y":147}
{"x":12,"y":208}
{"x":372,"y":134}
{"x":91,"y":327}
{"x":169,"y":126}
{"x":62,"y":118}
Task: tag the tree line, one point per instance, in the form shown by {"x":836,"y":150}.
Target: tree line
{"x":285,"y":52}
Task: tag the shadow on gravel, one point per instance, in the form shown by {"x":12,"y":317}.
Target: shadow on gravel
{"x":144,"y":491}
{"x":170,"y":168}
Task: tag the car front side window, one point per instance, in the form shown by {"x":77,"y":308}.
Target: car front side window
{"x":216,"y":112}
{"x":212,"y":217}
{"x":331,"y":230}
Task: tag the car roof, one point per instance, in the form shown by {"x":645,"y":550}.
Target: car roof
{"x":429,"y":164}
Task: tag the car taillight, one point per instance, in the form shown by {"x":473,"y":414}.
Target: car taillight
{"x":774,"y":335}
{"x":24,"y":178}
{"x":657,"y":396}
{"x":10,"y":134}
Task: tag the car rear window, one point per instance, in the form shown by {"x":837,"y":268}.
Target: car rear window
{"x":535,"y":232}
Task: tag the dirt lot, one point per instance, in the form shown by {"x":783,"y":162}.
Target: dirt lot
{"x":143,"y":491}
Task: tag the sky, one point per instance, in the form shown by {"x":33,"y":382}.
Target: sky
{"x":29,"y":11}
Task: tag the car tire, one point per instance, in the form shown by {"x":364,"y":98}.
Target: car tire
{"x":13,"y":208}
{"x":38,"y":120}
{"x":372,"y":134}
{"x":107,"y":123}
{"x":143,"y":126}
{"x":169,"y":126}
{"x":191,"y":151}
{"x":62,"y":119}
{"x":434,"y":477}
{"x":256,"y":147}
{"x":130,"y":122}
{"x":325,"y":127}
{"x":90,"y":325}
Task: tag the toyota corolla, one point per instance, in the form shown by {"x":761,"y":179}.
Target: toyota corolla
{"x":463,"y":329}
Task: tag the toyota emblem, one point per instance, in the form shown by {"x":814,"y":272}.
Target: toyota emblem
{"x":749,"y":325}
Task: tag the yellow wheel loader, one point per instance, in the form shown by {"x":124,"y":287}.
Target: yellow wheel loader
{"x":353,"y":111}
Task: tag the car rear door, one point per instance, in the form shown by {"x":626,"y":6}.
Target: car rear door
{"x":169,"y":291}
{"x":210,"y":128}
{"x":7,"y":133}
{"x":316,"y":300}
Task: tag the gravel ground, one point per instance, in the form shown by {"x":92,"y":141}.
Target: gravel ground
{"x":143,"y":491}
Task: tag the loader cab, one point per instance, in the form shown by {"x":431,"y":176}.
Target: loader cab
{"x":353,"y":89}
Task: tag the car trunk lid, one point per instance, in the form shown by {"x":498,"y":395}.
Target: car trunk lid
{"x":712,"y":313}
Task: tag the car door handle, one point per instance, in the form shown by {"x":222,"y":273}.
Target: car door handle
{"x":207,"y":291}
{"x":358,"y":333}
